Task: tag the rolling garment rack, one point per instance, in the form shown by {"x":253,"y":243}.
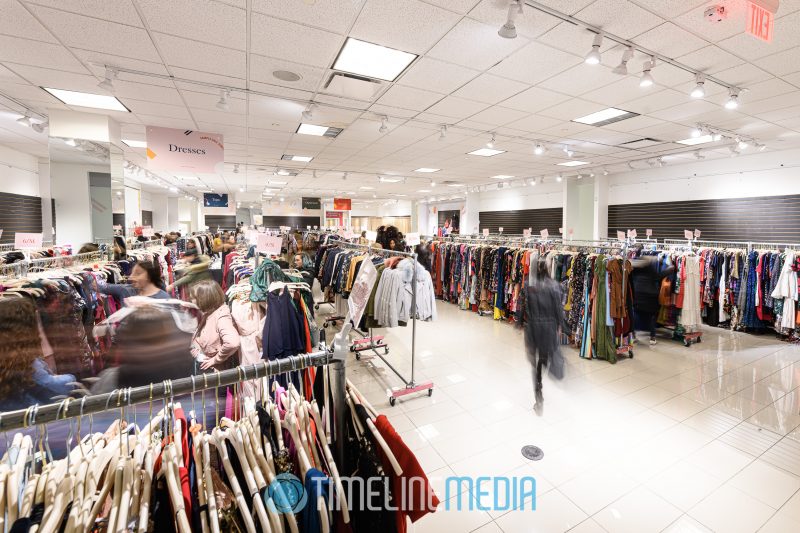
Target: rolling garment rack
{"x":373,"y":343}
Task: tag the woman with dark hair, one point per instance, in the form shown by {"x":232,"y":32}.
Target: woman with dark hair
{"x":25,"y":379}
{"x":145,"y":280}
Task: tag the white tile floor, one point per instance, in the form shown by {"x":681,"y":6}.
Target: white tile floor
{"x":677,"y":439}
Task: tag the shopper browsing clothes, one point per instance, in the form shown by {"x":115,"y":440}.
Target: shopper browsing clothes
{"x":145,"y":280}
{"x":543,"y":316}
{"x":646,"y":279}
{"x":193,"y":268}
{"x":216,"y":340}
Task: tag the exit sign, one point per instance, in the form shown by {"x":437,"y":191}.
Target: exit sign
{"x":760,"y":22}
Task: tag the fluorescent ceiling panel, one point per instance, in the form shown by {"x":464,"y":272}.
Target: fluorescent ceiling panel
{"x":388,"y":180}
{"x":605,"y":117}
{"x":424,"y":190}
{"x":272,"y":182}
{"x":372,"y":60}
{"x":319,"y":131}
{"x":300,"y":158}
{"x":95,"y":101}
{"x":502,"y":177}
{"x":427,"y":170}
{"x":691,"y":141}
{"x":486,"y":152}
{"x":365,"y":188}
{"x":573,"y":163}
{"x":135,"y":144}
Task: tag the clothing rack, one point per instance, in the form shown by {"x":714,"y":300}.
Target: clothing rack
{"x":22,"y":268}
{"x":9,"y":247}
{"x":411,"y":386}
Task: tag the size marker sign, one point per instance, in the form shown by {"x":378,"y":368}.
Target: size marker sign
{"x":27,"y":240}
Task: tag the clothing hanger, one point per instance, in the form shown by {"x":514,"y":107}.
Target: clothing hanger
{"x":331,"y":463}
{"x":398,"y":470}
{"x":232,"y":435}
{"x":244,"y":509}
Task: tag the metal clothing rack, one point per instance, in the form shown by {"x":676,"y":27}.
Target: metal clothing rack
{"x":411,"y":386}
{"x":22,"y":268}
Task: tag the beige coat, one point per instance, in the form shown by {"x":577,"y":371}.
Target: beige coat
{"x":216,"y":337}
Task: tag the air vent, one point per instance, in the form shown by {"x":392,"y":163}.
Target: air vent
{"x":641,"y":143}
{"x":351,"y":86}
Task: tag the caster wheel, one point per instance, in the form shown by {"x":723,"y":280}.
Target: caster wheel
{"x":687,"y":344}
{"x":391,"y":401}
{"x":631,"y":354}
{"x":430,"y":392}
{"x":352,"y":349}
{"x":386,"y":351}
{"x":316,"y":307}
{"x":699,"y":340}
{"x":358,"y":357}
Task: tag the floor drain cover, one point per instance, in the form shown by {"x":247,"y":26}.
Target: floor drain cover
{"x":534,"y":453}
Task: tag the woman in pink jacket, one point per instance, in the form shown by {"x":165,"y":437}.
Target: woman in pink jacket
{"x":216,"y":338}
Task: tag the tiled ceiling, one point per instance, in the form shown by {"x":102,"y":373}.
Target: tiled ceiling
{"x":525,"y":90}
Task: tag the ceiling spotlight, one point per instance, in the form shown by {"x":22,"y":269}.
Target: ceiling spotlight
{"x":108,"y":81}
{"x":241,"y":189}
{"x":308,"y":114}
{"x":660,"y":161}
{"x":697,"y":131}
{"x":622,"y":68}
{"x":73,"y":142}
{"x":236,"y":168}
{"x":647,"y":77}
{"x":733,"y":99}
{"x":490,"y":144}
{"x":630,"y":165}
{"x":384,"y":128}
{"x":699,"y":90}
{"x":651,"y":162}
{"x":281,"y":198}
{"x":433,"y":183}
{"x":716,"y":137}
{"x":593,"y":57}
{"x":39,"y":127}
{"x":443,"y":132}
{"x":605,"y":171}
{"x":25,"y":120}
{"x":533,"y":182}
{"x":223,"y":104}
{"x":509,"y":29}
{"x":734,"y":151}
{"x":559,"y":178}
{"x":539,"y":150}
{"x":698,"y":155}
{"x":591,"y":174}
{"x":761,"y":147}
{"x":742,"y":144}
{"x":567,"y":151}
{"x":344,"y":176}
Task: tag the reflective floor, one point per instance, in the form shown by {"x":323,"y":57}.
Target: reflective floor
{"x":676,"y":439}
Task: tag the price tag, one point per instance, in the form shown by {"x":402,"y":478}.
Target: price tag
{"x":412,"y":239}
{"x":648,"y":232}
{"x":501,"y":229}
{"x":308,"y":227}
{"x":486,"y":232}
{"x":544,"y":233}
{"x":561,"y":231}
{"x":269,"y":244}
{"x":621,"y":235}
{"x":633,"y":233}
{"x":526,"y":233}
{"x":696,"y":233}
{"x":687,"y":234}
{"x":27,"y":240}
{"x":372,"y":236}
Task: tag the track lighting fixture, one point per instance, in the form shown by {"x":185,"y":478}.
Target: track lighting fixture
{"x":236,"y":168}
{"x":384,"y":128}
{"x":559,"y":178}
{"x":622,"y":68}
{"x":733,"y":98}
{"x":699,"y":156}
{"x":509,"y":29}
{"x":533,"y":182}
{"x":443,"y":132}
{"x":605,"y":171}
{"x":39,"y":127}
{"x":490,"y":144}
{"x":697,"y":131}
{"x":25,"y":120}
{"x":742,"y":144}
{"x":651,"y":162}
{"x":630,"y":165}
{"x":734,"y":151}
{"x":344,"y":176}
{"x":716,"y":137}
{"x":567,"y":151}
{"x":761,"y":147}
{"x":647,"y":78}
{"x":308,"y":113}
{"x":593,"y":57}
{"x":699,"y":90}
{"x":433,"y":183}
{"x":660,"y":161}
{"x":241,"y":189}
{"x":539,"y":149}
{"x":591,"y":174}
{"x":223,"y":104}
{"x":108,"y":81}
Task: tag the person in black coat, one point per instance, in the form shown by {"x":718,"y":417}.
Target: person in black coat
{"x":646,"y":281}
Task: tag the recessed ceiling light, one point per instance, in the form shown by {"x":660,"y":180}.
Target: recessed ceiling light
{"x":388,"y":180}
{"x":606,"y":116}
{"x":453,"y":185}
{"x":300,"y":158}
{"x":486,"y":152}
{"x":319,"y":131}
{"x":135,"y":144}
{"x":697,"y":140}
{"x":95,"y":101}
{"x":428,"y":170}
{"x":286,"y":75}
{"x":573,"y":163}
{"x":271,"y":182}
{"x":375,"y":61}
{"x":424,"y":190}
{"x":502,"y":177}
{"x":366,"y":188}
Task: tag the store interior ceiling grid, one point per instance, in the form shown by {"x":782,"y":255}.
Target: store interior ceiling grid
{"x":466,"y":76}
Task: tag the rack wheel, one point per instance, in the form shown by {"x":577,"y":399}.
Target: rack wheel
{"x":316,"y":306}
{"x":391,"y":401}
{"x":630,"y":353}
{"x":352,"y":348}
{"x":687,"y":343}
{"x":698,"y":339}
{"x":386,"y":352}
{"x":430,"y":392}
{"x":358,"y":357}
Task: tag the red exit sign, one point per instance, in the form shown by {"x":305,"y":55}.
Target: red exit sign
{"x":760,"y":22}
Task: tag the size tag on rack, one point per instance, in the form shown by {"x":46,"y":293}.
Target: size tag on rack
{"x":27,"y":240}
{"x":561,"y":231}
{"x":315,"y":227}
{"x":621,"y":235}
{"x":485,"y":232}
{"x":687,"y":234}
{"x":308,"y":227}
{"x":544,"y":233}
{"x":649,"y":233}
{"x":412,"y":239}
{"x":268,"y":244}
{"x":526,"y":233}
{"x":696,"y":233}
{"x":501,"y":229}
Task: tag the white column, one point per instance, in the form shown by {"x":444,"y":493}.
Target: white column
{"x":600,"y":211}
{"x":133,"y":209}
{"x":160,"y":205}
{"x":46,"y":196}
{"x":172,"y":214}
{"x":471,"y":218}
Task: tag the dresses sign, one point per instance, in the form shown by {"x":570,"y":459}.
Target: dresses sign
{"x":184,"y":150}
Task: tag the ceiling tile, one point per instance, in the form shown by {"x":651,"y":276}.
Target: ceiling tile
{"x":781,"y":63}
{"x":409,"y":98}
{"x":744,"y":75}
{"x":580,"y":79}
{"x":290,"y":41}
{"x":395,"y":112}
{"x":435,"y":75}
{"x":200,"y":20}
{"x":7,"y":75}
{"x":78,"y":31}
{"x":656,"y":100}
{"x":18,"y":22}
{"x":121,"y":11}
{"x":410,"y":25}
{"x":670,"y":8}
{"x":770,"y":89}
{"x":687,"y":111}
{"x":490,"y":89}
{"x":569,"y":110}
{"x":711,"y":60}
{"x":534,"y":100}
{"x":569,"y":7}
{"x":534,"y":123}
{"x":39,"y":54}
{"x":44,"y":77}
{"x":670,"y":40}
{"x":262,"y":68}
{"x":202,"y":57}
{"x":748,"y":47}
{"x":455,"y":107}
{"x":332,"y":15}
{"x":616,"y":94}
{"x":620,"y":17}
{"x":548,"y":61}
{"x":153,"y":108}
{"x":498,"y":116}
{"x":476,"y":45}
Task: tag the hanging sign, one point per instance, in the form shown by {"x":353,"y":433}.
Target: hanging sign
{"x":412,"y":239}
{"x":526,"y":233}
{"x":285,"y":228}
{"x":341,"y":204}
{"x":544,"y":233}
{"x":27,"y":240}
{"x":147,"y":231}
{"x":632,"y":234}
{"x":561,"y":231}
{"x":372,"y":236}
{"x":485,"y":232}
{"x":117,"y":227}
{"x":311,"y":203}
{"x":687,"y":234}
{"x":338,"y":216}
{"x":760,"y":20}
{"x":648,"y":232}
{"x":178,"y":150}
{"x":696,"y":233}
{"x":621,"y":235}
{"x":268,"y":244}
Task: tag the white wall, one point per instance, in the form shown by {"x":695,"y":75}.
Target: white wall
{"x":159,"y":204}
{"x":69,"y":186}
{"x":401,"y":209}
{"x":19,"y":173}
{"x":172,"y":214}
{"x":46,"y":196}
